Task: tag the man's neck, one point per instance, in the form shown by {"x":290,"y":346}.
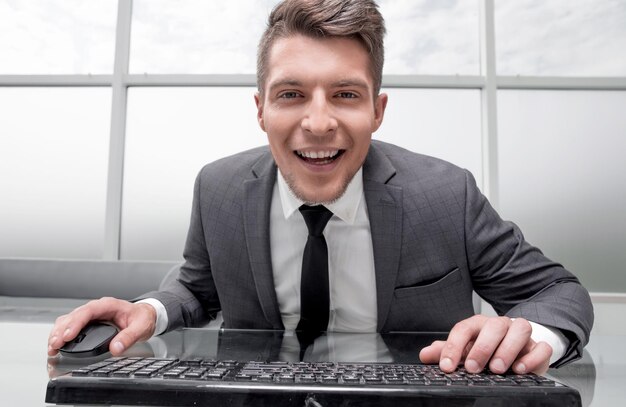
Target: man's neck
{"x":344,"y":208}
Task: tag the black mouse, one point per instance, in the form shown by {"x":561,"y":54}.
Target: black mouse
{"x":92,"y":340}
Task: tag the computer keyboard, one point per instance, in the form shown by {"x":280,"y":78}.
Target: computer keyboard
{"x":174,"y":382}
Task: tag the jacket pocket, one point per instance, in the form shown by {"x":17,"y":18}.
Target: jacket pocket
{"x":432,"y":305}
{"x":450,"y":279}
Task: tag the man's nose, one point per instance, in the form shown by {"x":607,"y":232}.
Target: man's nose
{"x":319,"y":118}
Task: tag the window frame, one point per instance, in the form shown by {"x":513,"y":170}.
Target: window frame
{"x":487,"y":82}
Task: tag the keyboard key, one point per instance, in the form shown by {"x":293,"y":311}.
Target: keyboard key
{"x":143,"y":373}
{"x":438,"y":382}
{"x":286,"y":378}
{"x":265,"y":378}
{"x":330,"y":379}
{"x":81,"y":372}
{"x":306,"y":378}
{"x":351,"y":379}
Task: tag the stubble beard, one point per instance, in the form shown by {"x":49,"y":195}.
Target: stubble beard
{"x":309,"y":200}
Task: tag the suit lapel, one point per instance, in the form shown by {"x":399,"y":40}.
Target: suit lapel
{"x":258,"y":198}
{"x":384,"y":207}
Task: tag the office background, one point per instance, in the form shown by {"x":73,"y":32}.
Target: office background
{"x":109,"y":108}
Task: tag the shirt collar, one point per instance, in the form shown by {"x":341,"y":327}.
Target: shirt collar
{"x":345,"y":208}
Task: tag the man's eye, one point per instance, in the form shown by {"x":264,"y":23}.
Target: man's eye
{"x":289,"y":95}
{"x":347,"y":95}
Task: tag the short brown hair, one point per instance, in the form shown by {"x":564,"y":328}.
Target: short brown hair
{"x":358,"y":19}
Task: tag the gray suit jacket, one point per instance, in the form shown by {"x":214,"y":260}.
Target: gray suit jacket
{"x":435,"y":239}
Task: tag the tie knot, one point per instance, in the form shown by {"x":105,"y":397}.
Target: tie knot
{"x":316,"y":218}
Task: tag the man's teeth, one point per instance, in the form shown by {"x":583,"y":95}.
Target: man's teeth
{"x":318,"y":154}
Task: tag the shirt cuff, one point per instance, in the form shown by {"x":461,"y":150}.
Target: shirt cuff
{"x":161,"y":314}
{"x":553,"y":337}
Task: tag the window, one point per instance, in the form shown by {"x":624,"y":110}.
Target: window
{"x":563,"y":177}
{"x":80,"y":187}
{"x":561,"y":37}
{"x":171,"y":134}
{"x":444,"y":123}
{"x":57,"y":37}
{"x":197,"y":36}
{"x":53,"y":166}
{"x":431,"y":37}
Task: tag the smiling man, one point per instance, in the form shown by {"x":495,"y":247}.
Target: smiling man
{"x":326,"y":229}
{"x":319,"y":108}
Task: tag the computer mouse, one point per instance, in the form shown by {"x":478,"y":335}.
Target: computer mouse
{"x":92,"y":340}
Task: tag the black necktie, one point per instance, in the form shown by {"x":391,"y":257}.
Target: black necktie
{"x":314,"y":296}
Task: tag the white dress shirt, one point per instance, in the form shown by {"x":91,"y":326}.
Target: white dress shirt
{"x":352,"y":278}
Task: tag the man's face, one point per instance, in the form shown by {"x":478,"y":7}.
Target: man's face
{"x":319,"y":112}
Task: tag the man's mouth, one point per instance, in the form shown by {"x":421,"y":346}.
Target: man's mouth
{"x":321,"y":157}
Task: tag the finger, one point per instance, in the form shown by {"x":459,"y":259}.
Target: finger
{"x":431,"y":354}
{"x":516,"y":342}
{"x":65,"y":329}
{"x":75,"y":321}
{"x":127,"y":338}
{"x":492,"y":333}
{"x":52,"y":351}
{"x":460,"y":336}
{"x":68,"y":326}
{"x":536,"y":361}
{"x":54,"y":340}
{"x":140,"y":326}
{"x":466,"y":351}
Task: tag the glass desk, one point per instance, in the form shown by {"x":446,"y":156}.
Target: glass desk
{"x":600,"y":376}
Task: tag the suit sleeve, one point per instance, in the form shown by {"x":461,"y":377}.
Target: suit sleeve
{"x":191,"y":298}
{"x":518,"y":280}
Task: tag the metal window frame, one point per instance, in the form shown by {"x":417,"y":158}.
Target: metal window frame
{"x":488,"y":82}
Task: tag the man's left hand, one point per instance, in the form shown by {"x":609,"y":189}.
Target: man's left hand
{"x":497,"y":342}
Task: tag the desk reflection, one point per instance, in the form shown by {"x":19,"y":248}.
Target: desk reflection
{"x":284,"y":346}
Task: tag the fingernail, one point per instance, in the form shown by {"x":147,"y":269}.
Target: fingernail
{"x":471,"y":366}
{"x":118,"y":347}
{"x":520,"y":368}
{"x":497,"y":365}
{"x":67,"y":331}
{"x":446,"y":364}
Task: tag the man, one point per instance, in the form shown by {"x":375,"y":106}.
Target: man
{"x":408,"y":236}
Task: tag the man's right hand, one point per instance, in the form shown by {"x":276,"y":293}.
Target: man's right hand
{"x":135,"y":321}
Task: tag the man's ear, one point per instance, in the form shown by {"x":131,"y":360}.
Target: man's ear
{"x":380,"y":104}
{"x":259,"y":110}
